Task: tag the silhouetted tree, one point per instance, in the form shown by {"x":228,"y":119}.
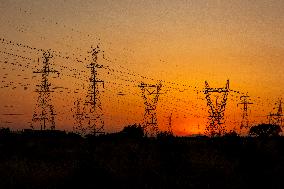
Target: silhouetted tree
{"x":165,"y":135}
{"x":231,"y":134}
{"x":4,"y":131}
{"x":133,"y":131}
{"x":74,"y":135}
{"x":265,"y":130}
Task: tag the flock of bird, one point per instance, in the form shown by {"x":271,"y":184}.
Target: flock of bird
{"x":119,"y":83}
{"x":121,"y":91}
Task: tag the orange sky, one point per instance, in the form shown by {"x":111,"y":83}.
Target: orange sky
{"x":185,"y":42}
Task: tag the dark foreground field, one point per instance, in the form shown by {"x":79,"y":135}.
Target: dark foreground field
{"x":60,"y":162}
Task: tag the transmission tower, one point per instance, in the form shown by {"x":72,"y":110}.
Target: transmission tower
{"x":79,"y":117}
{"x":276,"y":118}
{"x":44,"y":112}
{"x":93,"y":106}
{"x":150,"y":95}
{"x":216,"y":110}
{"x":244,"y":102}
{"x":170,"y":130}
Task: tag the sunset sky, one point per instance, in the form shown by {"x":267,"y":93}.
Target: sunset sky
{"x":183,"y":42}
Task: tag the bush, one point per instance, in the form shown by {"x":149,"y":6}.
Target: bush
{"x":265,"y":130}
{"x":133,"y":131}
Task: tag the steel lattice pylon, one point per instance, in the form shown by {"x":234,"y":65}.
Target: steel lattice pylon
{"x":170,"y":129}
{"x":216,"y":112}
{"x":276,"y":118}
{"x":245,"y":102}
{"x":93,"y":111}
{"x":79,"y":117}
{"x":150,"y":95}
{"x":44,"y":112}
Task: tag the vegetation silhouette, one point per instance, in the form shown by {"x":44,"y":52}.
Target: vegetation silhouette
{"x":133,"y":131}
{"x":265,"y":130}
{"x":128,"y":159}
{"x":4,"y":131}
{"x":165,"y":135}
{"x":231,"y":134}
